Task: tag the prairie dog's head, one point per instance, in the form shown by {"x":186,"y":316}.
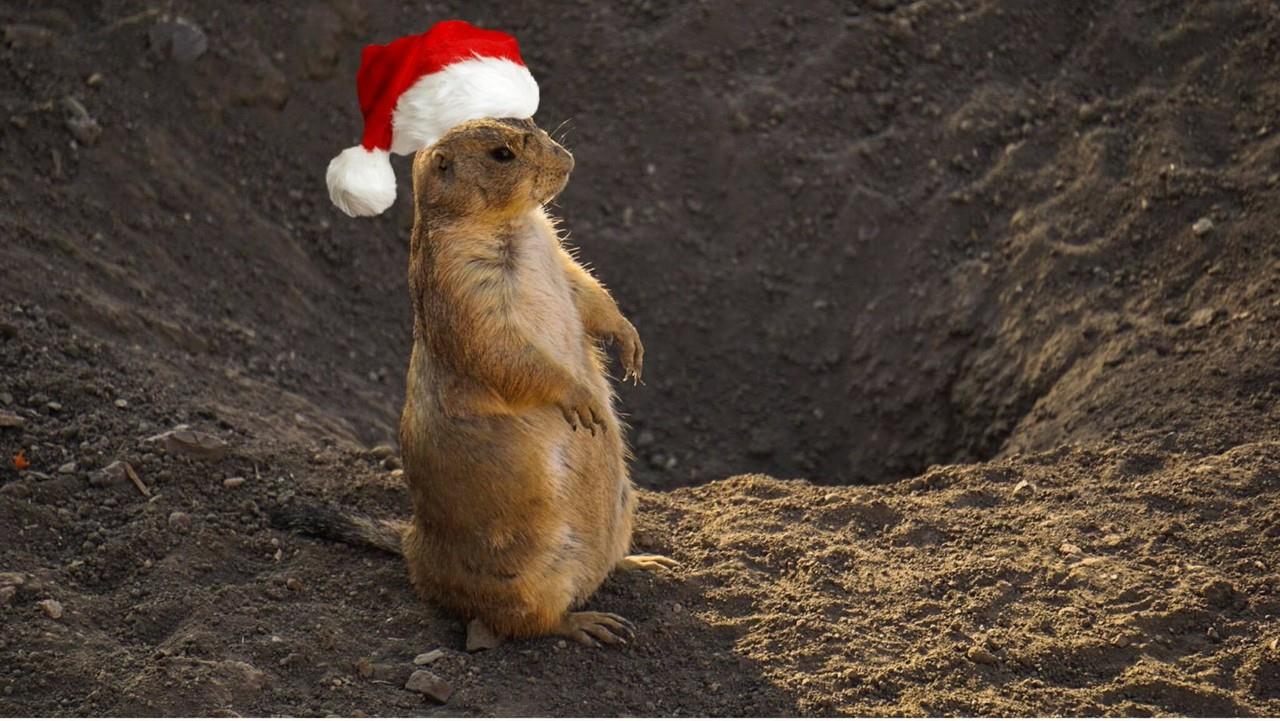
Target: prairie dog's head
{"x":496,"y":168}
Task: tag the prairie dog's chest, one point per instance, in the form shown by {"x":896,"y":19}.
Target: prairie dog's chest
{"x":542,"y":299}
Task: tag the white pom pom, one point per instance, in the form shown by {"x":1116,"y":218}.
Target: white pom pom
{"x":361,"y":181}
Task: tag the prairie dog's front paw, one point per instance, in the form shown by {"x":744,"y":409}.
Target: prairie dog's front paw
{"x":630,"y":350}
{"x":580,"y":409}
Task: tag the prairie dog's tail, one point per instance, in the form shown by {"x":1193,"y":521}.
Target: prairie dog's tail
{"x":353,"y":529}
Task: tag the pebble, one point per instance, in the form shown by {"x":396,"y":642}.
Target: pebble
{"x":196,"y":444}
{"x":79,"y":123}
{"x":1069,"y":549}
{"x":1023,"y":487}
{"x":430,"y":685}
{"x":53,"y":406}
{"x":22,"y":35}
{"x":111,"y":474}
{"x":6,"y":398}
{"x":178,"y":38}
{"x":51,"y":608}
{"x":295,"y":585}
{"x":423,"y":659}
{"x":122,"y":403}
{"x":1202,"y":317}
{"x":391,"y":463}
{"x":11,"y":420}
{"x":6,"y":595}
{"x":180,"y":521}
{"x":978,"y":654}
{"x":233,"y":482}
{"x":1202,"y":227}
{"x":68,"y":467}
{"x":382,"y":450}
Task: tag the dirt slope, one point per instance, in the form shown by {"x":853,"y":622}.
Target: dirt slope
{"x":862,"y":242}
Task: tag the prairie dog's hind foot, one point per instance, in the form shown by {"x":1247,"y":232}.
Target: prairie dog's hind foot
{"x":591,"y":628}
{"x":646,"y":562}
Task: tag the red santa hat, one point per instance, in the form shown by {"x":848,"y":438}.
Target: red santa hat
{"x":413,"y":90}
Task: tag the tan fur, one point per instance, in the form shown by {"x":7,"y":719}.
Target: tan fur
{"x":513,"y":453}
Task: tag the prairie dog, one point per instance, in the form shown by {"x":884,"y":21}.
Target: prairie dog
{"x":513,"y":452}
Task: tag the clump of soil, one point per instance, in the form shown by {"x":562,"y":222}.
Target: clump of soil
{"x":1015,"y":262}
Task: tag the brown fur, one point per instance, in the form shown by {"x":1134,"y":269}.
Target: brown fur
{"x":513,"y":453}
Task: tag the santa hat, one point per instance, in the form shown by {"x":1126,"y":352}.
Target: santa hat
{"x":413,"y":90}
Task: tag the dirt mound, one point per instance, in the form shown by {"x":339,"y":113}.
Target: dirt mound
{"x":858,"y":240}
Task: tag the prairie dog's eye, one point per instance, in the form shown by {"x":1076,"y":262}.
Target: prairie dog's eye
{"x":502,"y":155}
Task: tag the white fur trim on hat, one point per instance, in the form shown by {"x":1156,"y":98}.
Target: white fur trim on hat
{"x":479,"y":87}
{"x":361,"y":181}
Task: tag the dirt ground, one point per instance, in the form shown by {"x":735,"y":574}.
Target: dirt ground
{"x":1000,"y":279}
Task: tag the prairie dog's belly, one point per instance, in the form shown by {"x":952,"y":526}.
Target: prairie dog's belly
{"x":543,"y":301}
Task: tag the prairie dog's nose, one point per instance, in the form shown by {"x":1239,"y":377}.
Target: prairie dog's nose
{"x":564,"y":155}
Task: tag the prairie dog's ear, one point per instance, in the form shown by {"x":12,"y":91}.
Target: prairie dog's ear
{"x":440,"y":162}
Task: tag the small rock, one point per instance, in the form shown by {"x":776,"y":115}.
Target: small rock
{"x":6,"y":398}
{"x":1111,"y":540}
{"x":1213,"y":634}
{"x":978,"y":654}
{"x":122,"y":403}
{"x":1202,"y":317}
{"x":180,"y":521}
{"x":423,"y":659}
{"x":6,"y":595}
{"x":1023,"y":488}
{"x":196,"y":444}
{"x":178,"y":38}
{"x":68,"y":467}
{"x":11,"y":578}
{"x":391,"y":463}
{"x":233,"y":482}
{"x":110,"y":475}
{"x":94,"y":80}
{"x":81,"y":125}
{"x":479,"y":637}
{"x":430,"y":685}
{"x":645,"y":438}
{"x":11,"y":420}
{"x":21,"y":35}
{"x":382,"y":451}
{"x":295,"y":585}
{"x":1202,"y":227}
{"x":1070,"y":549}
{"x":51,"y":608}
{"x":53,"y":406}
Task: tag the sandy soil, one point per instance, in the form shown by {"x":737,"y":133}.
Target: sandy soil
{"x":999,"y":278}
